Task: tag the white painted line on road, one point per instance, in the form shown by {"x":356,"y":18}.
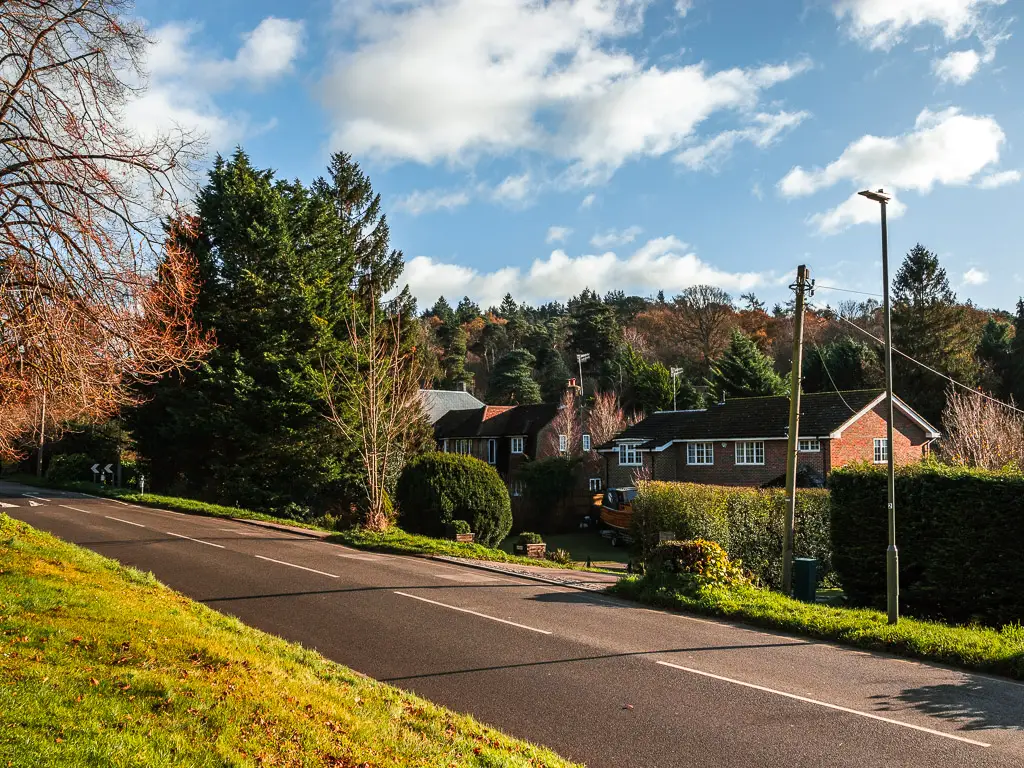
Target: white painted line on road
{"x":5,"y":505}
{"x":34,"y":503}
{"x":240,"y":533}
{"x":39,"y":498}
{"x":473,"y":613}
{"x":198,"y":541}
{"x":77,"y":509}
{"x":825,"y":704}
{"x":127,"y":522}
{"x":293,"y":565}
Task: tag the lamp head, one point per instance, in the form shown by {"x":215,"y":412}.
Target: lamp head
{"x":878,"y":197}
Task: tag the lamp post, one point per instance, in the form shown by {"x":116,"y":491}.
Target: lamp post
{"x":676,"y":373}
{"x":580,"y":360}
{"x":892,"y":575}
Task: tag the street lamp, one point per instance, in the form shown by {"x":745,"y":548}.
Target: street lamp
{"x":580,"y":360}
{"x":892,"y":575}
{"x":676,"y":373}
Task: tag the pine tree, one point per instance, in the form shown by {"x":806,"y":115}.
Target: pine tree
{"x":467,"y":311}
{"x":646,"y":386}
{"x":593,"y":329}
{"x":843,"y":364}
{"x":442,"y":310}
{"x":453,"y":339}
{"x":929,"y":326}
{"x":744,"y":371}
{"x":995,"y":353}
{"x":512,"y":381}
{"x":1016,"y":360}
{"x":553,"y":374}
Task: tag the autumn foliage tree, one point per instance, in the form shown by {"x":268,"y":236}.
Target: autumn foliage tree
{"x":91,"y":298}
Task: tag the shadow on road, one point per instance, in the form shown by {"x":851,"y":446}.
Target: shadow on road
{"x":389,"y":588}
{"x":974,"y":703}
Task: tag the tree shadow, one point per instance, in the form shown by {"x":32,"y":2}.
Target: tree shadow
{"x":976,"y":703}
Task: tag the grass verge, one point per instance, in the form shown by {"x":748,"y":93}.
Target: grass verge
{"x":102,"y":665}
{"x":977,"y":648}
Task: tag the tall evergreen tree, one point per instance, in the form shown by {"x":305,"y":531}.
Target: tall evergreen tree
{"x":929,"y":326}
{"x":844,"y":364}
{"x":646,"y":386}
{"x":453,"y":338}
{"x":552,"y":374}
{"x":744,"y":371}
{"x":442,"y":310}
{"x":512,"y":381}
{"x":1016,"y":360}
{"x":995,"y":355}
{"x":593,"y":329}
{"x":467,"y":311}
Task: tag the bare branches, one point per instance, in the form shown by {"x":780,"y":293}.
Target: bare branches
{"x":981,"y":432}
{"x":90,"y":298}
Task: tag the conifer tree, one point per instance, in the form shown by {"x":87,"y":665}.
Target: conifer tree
{"x":744,"y":371}
{"x":512,"y":381}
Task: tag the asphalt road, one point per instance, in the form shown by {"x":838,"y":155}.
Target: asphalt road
{"x":600,"y":680}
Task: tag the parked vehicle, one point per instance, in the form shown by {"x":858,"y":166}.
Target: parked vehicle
{"x":617,"y":515}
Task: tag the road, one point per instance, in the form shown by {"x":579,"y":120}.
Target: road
{"x":600,"y":680}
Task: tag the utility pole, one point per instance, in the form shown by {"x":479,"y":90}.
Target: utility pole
{"x":892,"y":560}
{"x":42,"y":437}
{"x":580,"y":360}
{"x":801,"y":285}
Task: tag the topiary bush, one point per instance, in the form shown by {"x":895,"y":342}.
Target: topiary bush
{"x":461,"y":527}
{"x":435,"y":489}
{"x":69,"y":468}
{"x":529,"y":537}
{"x":748,"y":523}
{"x":705,"y":560}
{"x":960,"y":535}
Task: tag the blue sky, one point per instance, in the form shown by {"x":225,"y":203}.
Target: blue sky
{"x":541,"y":147}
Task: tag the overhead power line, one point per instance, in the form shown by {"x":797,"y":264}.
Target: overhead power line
{"x":847,"y":290}
{"x":824,"y":365}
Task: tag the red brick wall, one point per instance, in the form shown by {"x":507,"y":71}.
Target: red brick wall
{"x":857,"y":443}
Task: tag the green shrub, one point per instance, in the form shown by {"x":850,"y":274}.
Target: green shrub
{"x":703,"y":559}
{"x":461,"y":527}
{"x":437,"y":488}
{"x":747,"y":523}
{"x":561,"y":556}
{"x":70,"y":468}
{"x":960,"y":534}
{"x":529,"y":537}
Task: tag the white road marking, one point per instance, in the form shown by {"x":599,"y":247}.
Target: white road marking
{"x":34,"y":503}
{"x":128,"y":522}
{"x":77,"y":509}
{"x":30,"y":496}
{"x":240,"y":533}
{"x":370,"y":558}
{"x":198,"y":541}
{"x":293,"y":565}
{"x":474,"y":613}
{"x":5,"y":505}
{"x":826,"y":705}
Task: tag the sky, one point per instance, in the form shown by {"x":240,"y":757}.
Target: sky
{"x":540,"y":147}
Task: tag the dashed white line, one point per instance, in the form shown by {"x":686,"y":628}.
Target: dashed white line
{"x":86,"y":511}
{"x":474,"y":613}
{"x":293,"y":565}
{"x":38,"y":498}
{"x":198,"y":541}
{"x":127,"y":522}
{"x":825,"y":704}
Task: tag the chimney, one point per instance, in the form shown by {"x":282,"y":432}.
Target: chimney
{"x":462,"y":386}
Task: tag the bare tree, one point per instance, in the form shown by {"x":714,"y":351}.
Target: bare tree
{"x":92,"y":299}
{"x":707,"y":316}
{"x":981,"y":432}
{"x":373,"y":401}
{"x":606,"y":419}
{"x":568,"y":423}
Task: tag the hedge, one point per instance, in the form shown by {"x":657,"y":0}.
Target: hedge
{"x":746,"y":522}
{"x":436,"y":489}
{"x":960,"y":535}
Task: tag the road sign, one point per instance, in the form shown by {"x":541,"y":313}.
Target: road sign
{"x":109,"y":469}
{"x":95,"y":469}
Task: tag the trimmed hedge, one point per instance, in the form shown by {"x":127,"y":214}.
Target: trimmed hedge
{"x":960,"y":535}
{"x":746,"y":522}
{"x":436,"y":489}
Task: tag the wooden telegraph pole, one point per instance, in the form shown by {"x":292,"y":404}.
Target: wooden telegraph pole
{"x":802,"y":284}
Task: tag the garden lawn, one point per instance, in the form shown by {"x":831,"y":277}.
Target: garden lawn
{"x":583,"y":545}
{"x":977,"y":648}
{"x":102,"y":665}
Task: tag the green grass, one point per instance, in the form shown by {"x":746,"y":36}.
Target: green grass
{"x":580,"y":545}
{"x":977,"y":648}
{"x":102,"y":665}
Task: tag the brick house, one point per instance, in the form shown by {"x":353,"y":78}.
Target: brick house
{"x":743,"y":441}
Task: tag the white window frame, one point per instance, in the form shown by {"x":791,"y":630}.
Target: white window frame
{"x":464,"y":446}
{"x":703,"y":457}
{"x":563,"y":443}
{"x":515,"y":488}
{"x":809,"y":445}
{"x":586,"y":442}
{"x":756,"y":447}
{"x":518,"y":445}
{"x":492,"y":451}
{"x":630,"y":455}
{"x":444,"y":445}
{"x":881,"y":448}
{"x":596,"y":484}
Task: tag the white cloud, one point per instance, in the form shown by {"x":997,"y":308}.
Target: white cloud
{"x":765,"y":129}
{"x":662,"y":263}
{"x":854,"y":210}
{"x":756,"y":191}
{"x":975,"y":277}
{"x":588,"y":201}
{"x":430,"y":200}
{"x":882,"y":23}
{"x":683,"y":7}
{"x":613,"y":238}
{"x":1000,"y":179}
{"x":514,"y":189}
{"x":451,"y":80}
{"x":558,"y":234}
{"x":944,"y":148}
{"x":957,"y":67}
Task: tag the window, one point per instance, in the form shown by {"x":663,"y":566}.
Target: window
{"x":629,"y":455}
{"x":700,"y":453}
{"x":881,"y":450}
{"x":586,"y":442}
{"x":518,"y":444}
{"x":750,"y":452}
{"x":444,"y":445}
{"x":596,"y":484}
{"x":563,"y":443}
{"x":516,"y":487}
{"x":810,"y":445}
{"x":464,"y":447}
{"x":492,"y":451}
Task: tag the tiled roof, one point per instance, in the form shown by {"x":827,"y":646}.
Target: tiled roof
{"x":438,"y":402}
{"x":499,"y":422}
{"x":821,"y":414}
